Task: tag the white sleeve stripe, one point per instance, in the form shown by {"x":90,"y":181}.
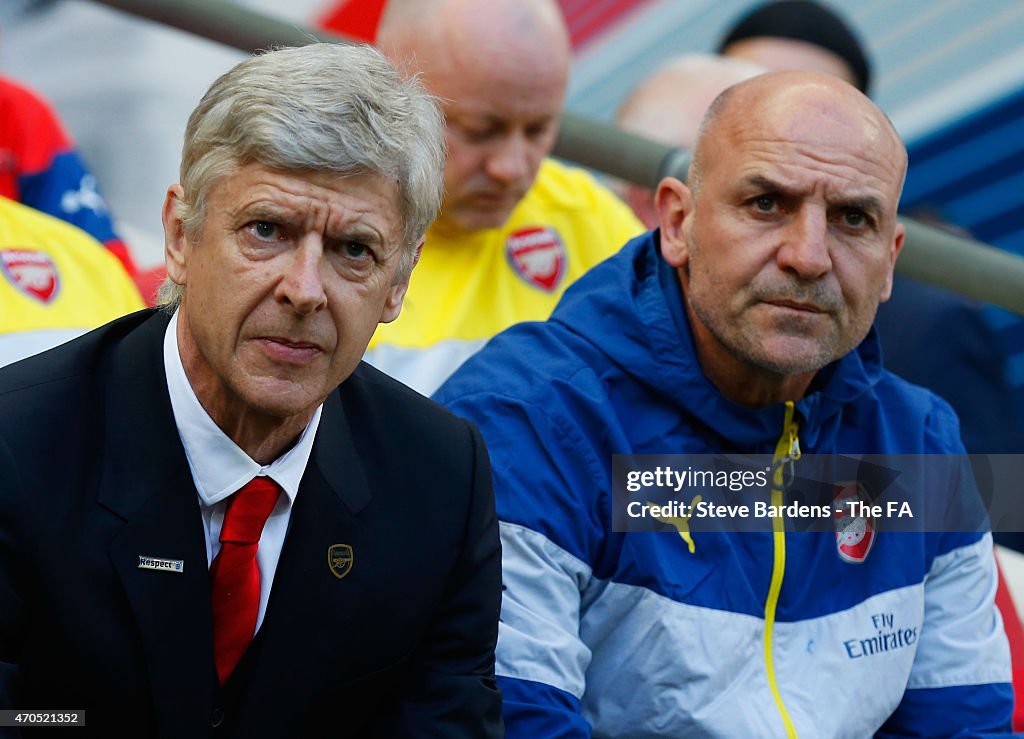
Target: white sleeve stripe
{"x":538,"y":637}
{"x":962,"y":641}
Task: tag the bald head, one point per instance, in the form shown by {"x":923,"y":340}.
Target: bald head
{"x":434,"y":34}
{"x":794,"y":104}
{"x":501,"y":69}
{"x":785,"y":239}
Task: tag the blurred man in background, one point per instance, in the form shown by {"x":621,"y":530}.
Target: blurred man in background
{"x":668,"y":107}
{"x":56,"y":282}
{"x":515,"y":228}
{"x":799,"y":34}
{"x":40,"y":167}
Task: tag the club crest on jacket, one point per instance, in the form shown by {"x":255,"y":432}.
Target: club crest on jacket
{"x":339,"y":559}
{"x":855,"y":534}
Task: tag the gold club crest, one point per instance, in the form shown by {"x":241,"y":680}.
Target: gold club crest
{"x":339,"y":559}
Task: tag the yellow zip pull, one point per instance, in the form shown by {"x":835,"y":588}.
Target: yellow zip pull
{"x":787,"y":449}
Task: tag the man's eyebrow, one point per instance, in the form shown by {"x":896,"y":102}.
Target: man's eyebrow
{"x":356,"y":232}
{"x":476,"y":118}
{"x":760,"y":182}
{"x":265,"y":211}
{"x":359,"y":232}
{"x":866,"y":203}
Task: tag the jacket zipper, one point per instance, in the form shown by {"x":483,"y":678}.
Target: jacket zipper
{"x":787,"y":451}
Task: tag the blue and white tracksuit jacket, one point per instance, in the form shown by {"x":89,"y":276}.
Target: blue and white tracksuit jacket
{"x":753,"y":634}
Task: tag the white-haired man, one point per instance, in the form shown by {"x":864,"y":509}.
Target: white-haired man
{"x":247,"y":530}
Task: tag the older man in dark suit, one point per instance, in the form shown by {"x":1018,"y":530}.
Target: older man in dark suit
{"x":213,"y":519}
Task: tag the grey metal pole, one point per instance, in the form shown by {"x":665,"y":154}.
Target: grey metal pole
{"x":929,"y":254}
{"x":968,"y":267}
{"x":618,"y":153}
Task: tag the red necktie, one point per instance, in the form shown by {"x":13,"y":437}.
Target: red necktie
{"x":235,"y":576}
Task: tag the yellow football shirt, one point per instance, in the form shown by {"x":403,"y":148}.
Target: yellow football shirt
{"x":56,"y":282}
{"x":466,"y":290}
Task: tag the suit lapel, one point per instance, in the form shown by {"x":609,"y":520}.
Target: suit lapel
{"x":145,"y":480}
{"x":335,"y":455}
{"x":310,"y":609}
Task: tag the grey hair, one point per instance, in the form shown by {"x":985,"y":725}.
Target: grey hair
{"x":322,"y":107}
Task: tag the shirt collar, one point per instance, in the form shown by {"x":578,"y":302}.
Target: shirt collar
{"x":219,"y":467}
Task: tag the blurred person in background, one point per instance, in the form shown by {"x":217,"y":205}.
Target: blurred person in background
{"x":668,"y":107}
{"x":516,"y":227}
{"x":56,"y":282}
{"x":799,"y":34}
{"x":40,"y":167}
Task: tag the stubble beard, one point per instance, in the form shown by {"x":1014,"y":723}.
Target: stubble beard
{"x":739,"y":337}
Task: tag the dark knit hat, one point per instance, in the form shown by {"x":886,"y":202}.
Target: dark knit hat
{"x":811,"y":22}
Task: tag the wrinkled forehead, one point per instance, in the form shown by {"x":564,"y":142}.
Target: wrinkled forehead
{"x":818,"y":129}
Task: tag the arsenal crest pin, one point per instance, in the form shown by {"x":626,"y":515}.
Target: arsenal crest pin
{"x":855,"y":532}
{"x":339,"y":559}
{"x":538,"y":255}
{"x":32,"y":272}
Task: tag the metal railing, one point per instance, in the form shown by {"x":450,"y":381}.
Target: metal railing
{"x":931,"y":255}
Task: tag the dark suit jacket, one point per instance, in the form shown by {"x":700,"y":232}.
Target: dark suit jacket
{"x":93,"y":475}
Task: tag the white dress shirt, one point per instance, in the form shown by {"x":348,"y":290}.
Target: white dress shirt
{"x":219,"y":468}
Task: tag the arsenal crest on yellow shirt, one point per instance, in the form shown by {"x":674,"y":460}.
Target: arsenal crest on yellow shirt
{"x":538,"y":255}
{"x":32,"y":272}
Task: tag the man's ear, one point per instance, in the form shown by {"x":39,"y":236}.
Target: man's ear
{"x":175,"y":241}
{"x":396,"y":295}
{"x":674,"y":202}
{"x":897,"y":247}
